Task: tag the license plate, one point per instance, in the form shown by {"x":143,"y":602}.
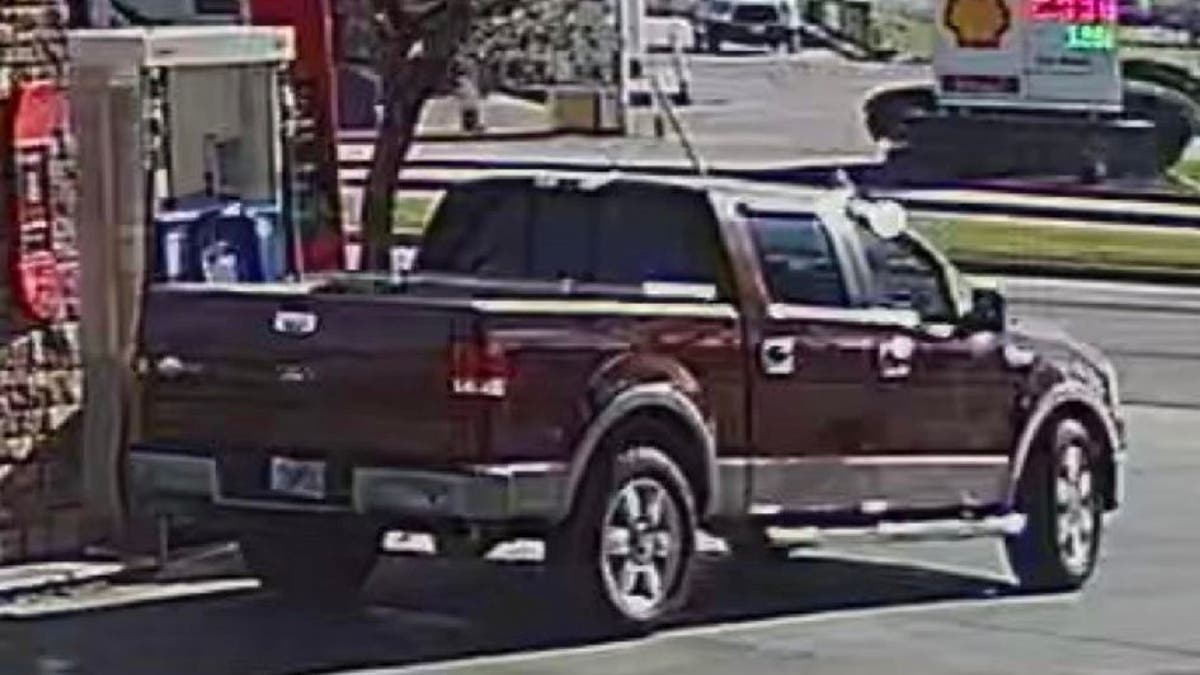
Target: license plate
{"x":758,"y":30}
{"x":298,"y":478}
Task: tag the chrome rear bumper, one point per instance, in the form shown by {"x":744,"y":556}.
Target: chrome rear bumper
{"x":159,"y":480}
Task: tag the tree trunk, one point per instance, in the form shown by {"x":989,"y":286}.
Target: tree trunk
{"x":409,"y":81}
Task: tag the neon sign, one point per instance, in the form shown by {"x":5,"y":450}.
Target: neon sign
{"x":1094,"y":37}
{"x":1090,"y":24}
{"x":1074,"y":11}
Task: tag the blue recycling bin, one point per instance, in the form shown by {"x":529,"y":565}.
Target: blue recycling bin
{"x":211,"y":240}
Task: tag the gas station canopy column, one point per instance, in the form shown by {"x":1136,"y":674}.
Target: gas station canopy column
{"x":159,"y":115}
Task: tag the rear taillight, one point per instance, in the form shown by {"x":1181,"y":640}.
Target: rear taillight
{"x":479,"y":369}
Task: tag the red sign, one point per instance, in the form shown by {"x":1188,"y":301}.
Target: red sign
{"x":1074,"y":11}
{"x":316,"y":87}
{"x":38,"y":276}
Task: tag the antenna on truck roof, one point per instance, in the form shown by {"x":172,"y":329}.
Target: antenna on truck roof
{"x":699,"y":165}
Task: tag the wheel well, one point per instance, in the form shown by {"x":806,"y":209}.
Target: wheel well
{"x":684,"y":446}
{"x":883,"y":110}
{"x":1099,"y":433}
{"x":1163,"y":74}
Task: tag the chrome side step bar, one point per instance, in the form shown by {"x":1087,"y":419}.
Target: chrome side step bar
{"x":925,"y":530}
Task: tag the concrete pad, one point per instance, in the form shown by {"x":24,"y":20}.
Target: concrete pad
{"x":105,"y":597}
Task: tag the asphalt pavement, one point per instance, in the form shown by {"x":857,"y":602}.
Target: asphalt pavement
{"x":921,"y":608}
{"x":749,"y":107}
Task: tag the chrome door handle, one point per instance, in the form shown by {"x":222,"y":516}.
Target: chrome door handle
{"x":895,"y":357}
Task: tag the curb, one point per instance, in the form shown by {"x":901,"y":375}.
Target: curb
{"x":448,"y":136}
{"x":866,"y":172}
{"x":1161,"y":277}
{"x":488,"y":136}
{"x":60,"y":580}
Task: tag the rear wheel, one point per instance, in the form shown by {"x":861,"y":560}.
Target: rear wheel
{"x":793,"y":43}
{"x":752,"y":543}
{"x":311,"y":559}
{"x":1061,"y":497}
{"x":625,"y":554}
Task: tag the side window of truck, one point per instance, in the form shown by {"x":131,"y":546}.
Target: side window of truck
{"x":798,"y":262}
{"x":906,"y":277}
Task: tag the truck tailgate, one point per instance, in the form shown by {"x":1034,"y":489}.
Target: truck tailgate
{"x":353,"y":378}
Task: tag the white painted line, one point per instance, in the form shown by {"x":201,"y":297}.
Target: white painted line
{"x":927,"y":460}
{"x":945,"y":213}
{"x":967,"y":197}
{"x":1038,"y":283}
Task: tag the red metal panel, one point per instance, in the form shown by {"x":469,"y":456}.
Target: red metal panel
{"x":37,"y":274}
{"x":316,"y":79}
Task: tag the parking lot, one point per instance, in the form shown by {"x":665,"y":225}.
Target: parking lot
{"x":934,"y":608}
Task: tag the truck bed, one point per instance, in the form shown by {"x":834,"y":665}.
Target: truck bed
{"x":370,"y":379}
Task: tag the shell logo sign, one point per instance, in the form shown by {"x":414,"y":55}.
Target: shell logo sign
{"x":978,"y":24}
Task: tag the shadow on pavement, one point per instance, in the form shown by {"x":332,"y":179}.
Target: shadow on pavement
{"x":422,"y":611}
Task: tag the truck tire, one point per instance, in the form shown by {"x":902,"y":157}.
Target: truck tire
{"x":1173,"y":114}
{"x":625,"y":554}
{"x":794,"y":42}
{"x":887,"y":114}
{"x":1060,"y":494}
{"x":310,"y":559}
{"x":712,"y":42}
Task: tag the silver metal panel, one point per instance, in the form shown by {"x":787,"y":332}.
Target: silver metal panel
{"x":122,"y":49}
{"x":484,"y":494}
{"x":181,"y":475}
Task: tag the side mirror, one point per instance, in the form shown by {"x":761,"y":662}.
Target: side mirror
{"x":988,"y":311}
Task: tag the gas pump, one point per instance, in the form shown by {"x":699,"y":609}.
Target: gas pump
{"x":182,"y":148}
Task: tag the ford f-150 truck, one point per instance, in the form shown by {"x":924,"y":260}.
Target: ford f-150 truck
{"x":611,"y":366}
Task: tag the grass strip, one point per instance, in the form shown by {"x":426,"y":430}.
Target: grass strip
{"x":1123,"y":250}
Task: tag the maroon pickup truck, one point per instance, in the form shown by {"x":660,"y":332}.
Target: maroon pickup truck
{"x":611,"y":367}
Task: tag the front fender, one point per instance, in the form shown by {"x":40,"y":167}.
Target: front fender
{"x":1057,"y":398}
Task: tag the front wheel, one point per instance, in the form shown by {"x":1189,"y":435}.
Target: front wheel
{"x":1060,"y":496}
{"x":626,"y":552}
{"x":313,"y":558}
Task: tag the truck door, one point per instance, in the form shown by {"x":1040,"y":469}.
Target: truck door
{"x":945,"y":397}
{"x":811,"y":400}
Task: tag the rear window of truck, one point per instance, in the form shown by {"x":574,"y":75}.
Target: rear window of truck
{"x":624,"y":234}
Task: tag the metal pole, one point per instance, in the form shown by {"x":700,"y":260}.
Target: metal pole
{"x":623,"y":73}
{"x":693,"y":155}
{"x":100,"y":13}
